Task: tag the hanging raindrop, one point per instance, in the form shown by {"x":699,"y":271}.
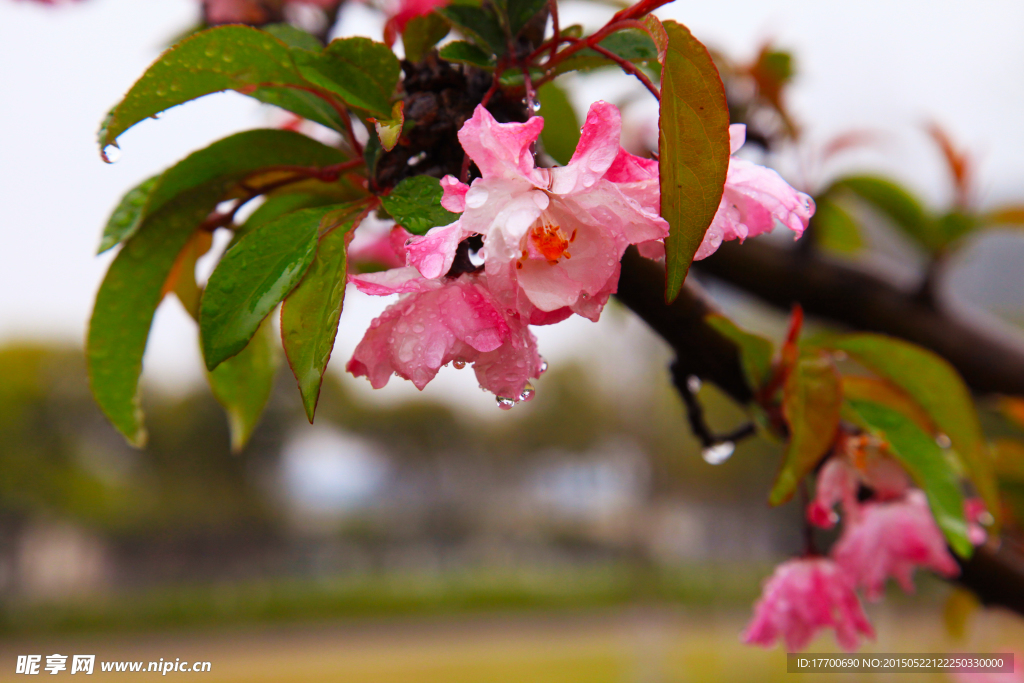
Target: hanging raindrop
{"x":528,"y":392}
{"x":111,"y":153}
{"x":504,"y":402}
{"x":693,"y":383}
{"x":459,"y":363}
{"x":718,"y":453}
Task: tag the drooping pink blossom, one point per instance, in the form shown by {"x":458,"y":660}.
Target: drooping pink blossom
{"x":755,"y":197}
{"x":800,"y":598}
{"x":438,"y":322}
{"x":854,"y":463}
{"x":892,"y":539}
{"x":552,"y":237}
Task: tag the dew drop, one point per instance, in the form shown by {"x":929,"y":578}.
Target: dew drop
{"x":459,"y":363}
{"x":535,"y":106}
{"x":693,"y":383}
{"x":504,"y":402}
{"x":943,"y":441}
{"x":476,"y":197}
{"x":718,"y":453}
{"x":111,"y":153}
{"x":528,"y":392}
{"x":477,"y":258}
{"x":543,"y":367}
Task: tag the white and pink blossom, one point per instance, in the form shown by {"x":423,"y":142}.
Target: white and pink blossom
{"x":802,"y":597}
{"x":552,"y":237}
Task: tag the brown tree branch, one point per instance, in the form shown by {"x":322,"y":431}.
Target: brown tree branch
{"x":996,"y":577}
{"x":851,"y":297}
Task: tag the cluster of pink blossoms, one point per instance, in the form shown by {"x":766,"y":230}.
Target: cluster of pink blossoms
{"x":890,"y":535}
{"x":549,"y":244}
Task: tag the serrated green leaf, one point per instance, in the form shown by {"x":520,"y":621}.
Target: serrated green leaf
{"x":242,"y":384}
{"x":223,"y":58}
{"x":422,"y":33}
{"x":898,"y":204}
{"x":479,"y":25}
{"x":694,"y":148}
{"x":933,"y":383}
{"x":811,"y":401}
{"x":309,"y":316}
{"x":755,"y":351}
{"x":294,"y":37}
{"x":415,"y":204}
{"x":834,"y":228}
{"x":561,"y":131}
{"x":127,"y":300}
{"x":520,"y":12}
{"x":127,"y":216}
{"x":363,"y":73}
{"x":254,"y":277}
{"x":463,"y":52}
{"x":925,"y":463}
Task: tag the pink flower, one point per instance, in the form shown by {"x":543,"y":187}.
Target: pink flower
{"x":975,"y":512}
{"x":439,"y":322}
{"x":803,"y":596}
{"x":755,"y":198}
{"x":251,"y":11}
{"x":552,"y":237}
{"x":892,"y":539}
{"x":839,"y":479}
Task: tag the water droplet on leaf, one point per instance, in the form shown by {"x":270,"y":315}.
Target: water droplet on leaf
{"x":718,"y":453}
{"x":111,"y":153}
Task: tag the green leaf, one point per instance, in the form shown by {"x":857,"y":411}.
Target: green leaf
{"x":415,"y":204}
{"x":238,"y":156}
{"x":223,"y":164}
{"x":223,"y":58}
{"x":935,"y":385}
{"x":561,"y":131}
{"x":479,"y":25}
{"x":242,"y":384}
{"x":897,"y":204}
{"x":423,"y":33}
{"x":834,"y":228}
{"x":463,"y":52}
{"x":630,"y":44}
{"x":520,"y":12}
{"x":294,"y":37}
{"x":279,"y":205}
{"x":363,"y":73}
{"x":309,"y":316}
{"x":925,"y":463}
{"x":952,"y":226}
{"x":127,"y":216}
{"x":182,"y":279}
{"x":811,"y":401}
{"x":755,"y":351}
{"x":693,"y":146}
{"x":252,"y":278}
{"x":126,"y":302}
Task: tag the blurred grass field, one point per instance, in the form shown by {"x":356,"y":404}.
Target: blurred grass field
{"x":621,"y":645}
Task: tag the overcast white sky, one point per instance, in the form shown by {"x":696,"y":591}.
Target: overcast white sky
{"x":870,"y":64}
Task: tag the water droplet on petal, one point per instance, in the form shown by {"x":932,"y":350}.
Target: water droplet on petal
{"x":718,"y":453}
{"x":111,"y":153}
{"x":943,"y":441}
{"x":693,"y":383}
{"x":476,"y":197}
{"x":504,"y":402}
{"x":459,"y":363}
{"x":528,"y":392}
{"x":543,"y":367}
